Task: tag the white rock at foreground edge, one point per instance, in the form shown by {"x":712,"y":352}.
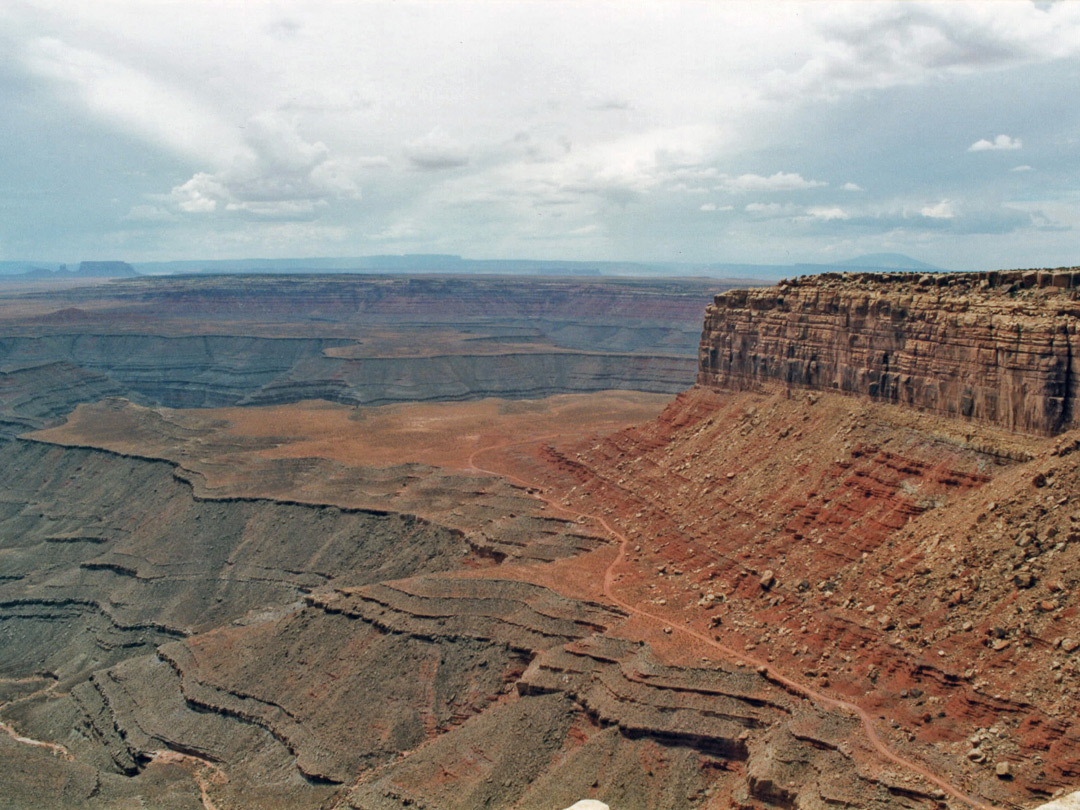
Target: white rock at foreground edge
{"x":1070,"y":802}
{"x":593,"y":804}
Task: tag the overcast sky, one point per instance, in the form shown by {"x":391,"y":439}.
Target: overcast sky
{"x":698,"y":131}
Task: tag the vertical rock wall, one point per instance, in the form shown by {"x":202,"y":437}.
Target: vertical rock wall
{"x":999,"y":347}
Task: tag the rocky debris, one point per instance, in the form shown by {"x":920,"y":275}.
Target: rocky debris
{"x":997,"y":347}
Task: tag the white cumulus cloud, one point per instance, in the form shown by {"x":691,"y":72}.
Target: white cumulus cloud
{"x":280,"y":175}
{"x":822,"y":212}
{"x":942,"y":210}
{"x":1000,"y":143}
{"x":889,"y":44}
{"x":780,"y":181}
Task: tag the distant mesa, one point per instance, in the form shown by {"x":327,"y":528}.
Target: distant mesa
{"x":30,"y":271}
{"x":889,"y":261}
{"x":111,"y":269}
{"x":446,"y":264}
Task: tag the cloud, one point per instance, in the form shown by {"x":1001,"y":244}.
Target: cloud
{"x":281,"y":176}
{"x":200,"y":194}
{"x":615,"y":171}
{"x":281,"y":112}
{"x":278,"y":209}
{"x":285,"y":28}
{"x":772,"y":210}
{"x":950,"y":217}
{"x":780,"y":181}
{"x":942,"y":210}
{"x":891,"y":44}
{"x":821,"y":212}
{"x":610,"y":104}
{"x":1024,"y":168}
{"x":436,"y":151}
{"x":1000,"y":143}
{"x":398,"y":231}
{"x":1041,"y":222}
{"x":326,"y":100}
{"x":131,"y":99}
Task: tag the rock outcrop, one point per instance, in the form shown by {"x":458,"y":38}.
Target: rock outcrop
{"x":1000,"y":348}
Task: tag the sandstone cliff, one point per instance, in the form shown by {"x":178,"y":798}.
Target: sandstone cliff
{"x":1000,"y":347}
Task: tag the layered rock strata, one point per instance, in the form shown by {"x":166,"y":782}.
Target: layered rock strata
{"x":215,"y":371}
{"x":1000,"y":347}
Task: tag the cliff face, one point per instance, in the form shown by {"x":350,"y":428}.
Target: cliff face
{"x":1000,"y":348}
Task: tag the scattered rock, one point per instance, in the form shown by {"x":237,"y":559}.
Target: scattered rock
{"x":1024,"y":579}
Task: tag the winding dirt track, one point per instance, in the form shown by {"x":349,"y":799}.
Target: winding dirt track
{"x":56,"y":748}
{"x":731,"y":655}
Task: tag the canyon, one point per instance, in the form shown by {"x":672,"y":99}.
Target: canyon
{"x":384,"y":542}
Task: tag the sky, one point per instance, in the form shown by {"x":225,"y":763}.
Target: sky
{"x":700,"y":132}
